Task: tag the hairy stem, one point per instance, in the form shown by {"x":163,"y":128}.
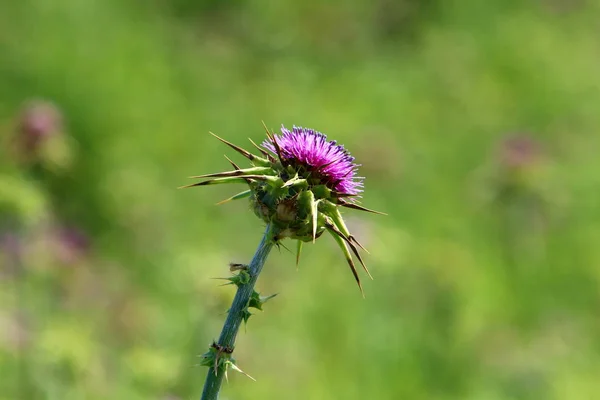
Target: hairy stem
{"x":236,"y":312}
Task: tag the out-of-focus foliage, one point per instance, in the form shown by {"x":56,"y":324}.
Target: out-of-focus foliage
{"x":477,"y":126}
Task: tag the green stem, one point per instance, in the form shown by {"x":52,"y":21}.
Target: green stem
{"x":236,"y":312}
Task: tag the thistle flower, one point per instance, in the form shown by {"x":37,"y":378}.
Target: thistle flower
{"x":519,"y":152}
{"x":298,"y":184}
{"x":40,"y":138}
{"x":39,"y":121}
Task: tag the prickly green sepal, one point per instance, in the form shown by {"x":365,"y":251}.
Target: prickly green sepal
{"x":321,"y":192}
{"x":261,"y":162}
{"x":291,"y":181}
{"x":348,"y":257}
{"x":236,"y":172}
{"x":333,"y":212}
{"x":262,"y":151}
{"x":298,"y":251}
{"x":232,"y":179}
{"x":314,"y":214}
{"x":348,"y":239}
{"x":273,"y":181}
{"x":296,"y":182}
{"x":291,"y":170}
{"x":304,"y":201}
{"x":241,"y":195}
{"x":255,"y":159}
{"x":360,"y":208}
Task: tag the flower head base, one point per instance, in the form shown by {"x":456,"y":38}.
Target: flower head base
{"x":298,"y":184}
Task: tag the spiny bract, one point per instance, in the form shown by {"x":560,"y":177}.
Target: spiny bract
{"x":298,"y":184}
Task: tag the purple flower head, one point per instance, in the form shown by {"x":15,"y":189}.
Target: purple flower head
{"x":39,"y":121}
{"x":72,"y":244}
{"x":519,"y":151}
{"x":324,"y":162}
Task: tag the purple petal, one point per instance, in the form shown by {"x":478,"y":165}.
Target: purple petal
{"x":310,"y":148}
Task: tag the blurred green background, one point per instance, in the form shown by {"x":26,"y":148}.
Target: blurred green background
{"x":476,"y":123}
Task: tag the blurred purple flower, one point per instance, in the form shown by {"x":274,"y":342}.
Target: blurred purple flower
{"x":519,"y":151}
{"x":327,"y":162}
{"x":72,"y":244}
{"x":39,"y":120}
